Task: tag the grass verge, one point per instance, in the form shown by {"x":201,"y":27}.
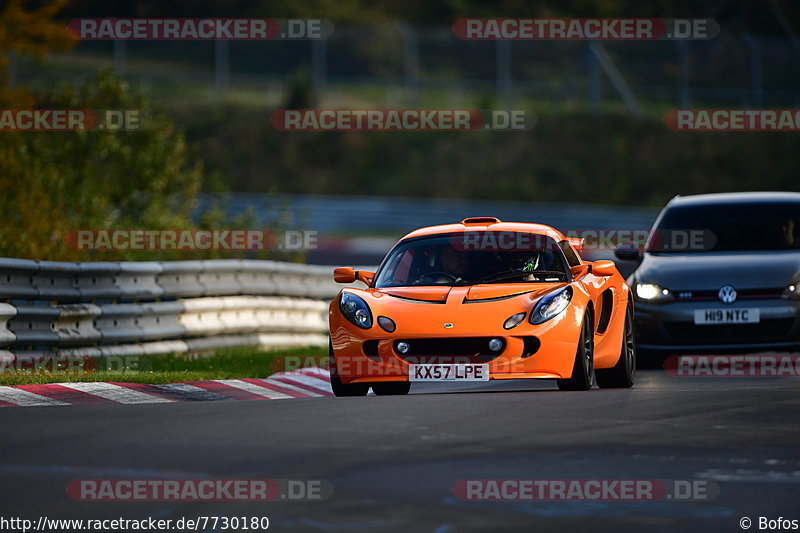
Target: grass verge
{"x":229,"y":363}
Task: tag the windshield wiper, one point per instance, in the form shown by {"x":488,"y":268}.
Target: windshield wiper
{"x":505,"y":275}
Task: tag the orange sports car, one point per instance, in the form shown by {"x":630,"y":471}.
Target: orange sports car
{"x":481,"y":300}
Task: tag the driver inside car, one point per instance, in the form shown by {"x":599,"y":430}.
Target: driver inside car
{"x":442,"y":266}
{"x":454,"y":262}
{"x":526,"y":262}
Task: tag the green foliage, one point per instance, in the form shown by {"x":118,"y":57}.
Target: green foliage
{"x":28,"y":27}
{"x":228,"y":363}
{"x":54,"y":182}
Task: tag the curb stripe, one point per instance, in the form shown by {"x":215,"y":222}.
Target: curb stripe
{"x":173,"y":394}
{"x":230,"y":393}
{"x":277,"y":387}
{"x":255,"y":389}
{"x":66,"y":394}
{"x":116,"y":393}
{"x":26,"y":399}
{"x":316,"y":372}
{"x":306,"y":381}
{"x":301,"y":392}
{"x":184,"y":390}
{"x":311,"y":383}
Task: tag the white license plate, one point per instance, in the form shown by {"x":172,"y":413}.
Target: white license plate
{"x":434,"y":372}
{"x":727,"y":316}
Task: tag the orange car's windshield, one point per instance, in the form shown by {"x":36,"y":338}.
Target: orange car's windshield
{"x":472,"y":258}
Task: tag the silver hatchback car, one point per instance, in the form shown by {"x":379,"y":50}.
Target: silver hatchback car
{"x":719,"y":273}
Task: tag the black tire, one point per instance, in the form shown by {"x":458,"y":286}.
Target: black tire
{"x":340,"y":389}
{"x":391,"y":388}
{"x":583,"y":369}
{"x":621,"y":375}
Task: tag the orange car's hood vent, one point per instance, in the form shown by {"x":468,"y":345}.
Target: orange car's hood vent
{"x":420,"y":294}
{"x":480,"y":221}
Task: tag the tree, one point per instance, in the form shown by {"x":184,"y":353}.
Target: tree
{"x":28,"y":31}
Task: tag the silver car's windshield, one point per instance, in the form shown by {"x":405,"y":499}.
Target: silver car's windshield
{"x":733,"y":227}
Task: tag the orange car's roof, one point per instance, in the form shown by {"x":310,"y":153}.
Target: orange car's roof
{"x":466,"y":225}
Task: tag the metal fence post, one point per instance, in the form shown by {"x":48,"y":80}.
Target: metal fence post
{"x":119,"y":57}
{"x":318,"y":69}
{"x":684,"y":100}
{"x":220,"y":67}
{"x":756,"y":69}
{"x":503,"y":58}
{"x":410,"y":62}
{"x":594,"y":89}
{"x":12,"y":69}
{"x":613,"y":73}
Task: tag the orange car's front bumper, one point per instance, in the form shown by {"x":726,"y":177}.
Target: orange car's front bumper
{"x":530,"y":351}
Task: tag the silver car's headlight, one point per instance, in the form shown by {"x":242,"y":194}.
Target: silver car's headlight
{"x":792,"y":291}
{"x":650,"y":292}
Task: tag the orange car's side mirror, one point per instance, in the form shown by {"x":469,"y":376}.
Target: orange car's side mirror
{"x":349,"y":275}
{"x":344,"y":275}
{"x":365,"y":277}
{"x":604,"y":268}
{"x":578,"y":271}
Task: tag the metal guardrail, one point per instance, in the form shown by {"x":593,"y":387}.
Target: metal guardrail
{"x":138,"y":308}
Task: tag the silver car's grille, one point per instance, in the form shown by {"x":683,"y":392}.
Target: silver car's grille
{"x":741,"y":294}
{"x":769,"y":330}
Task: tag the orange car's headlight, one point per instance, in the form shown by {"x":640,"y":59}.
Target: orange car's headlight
{"x":551,"y":305}
{"x":356,"y":310}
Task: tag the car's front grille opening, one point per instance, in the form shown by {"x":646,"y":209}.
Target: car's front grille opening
{"x":532,"y":345}
{"x":371,"y":349}
{"x":769,"y":330}
{"x":741,"y":294}
{"x":449,"y":350}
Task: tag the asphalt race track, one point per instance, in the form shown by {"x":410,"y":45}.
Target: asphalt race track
{"x":393,"y":460}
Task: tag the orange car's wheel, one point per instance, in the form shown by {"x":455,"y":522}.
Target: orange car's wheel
{"x":339,"y":388}
{"x":622,"y":374}
{"x":391,"y":388}
{"x":583,"y":369}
